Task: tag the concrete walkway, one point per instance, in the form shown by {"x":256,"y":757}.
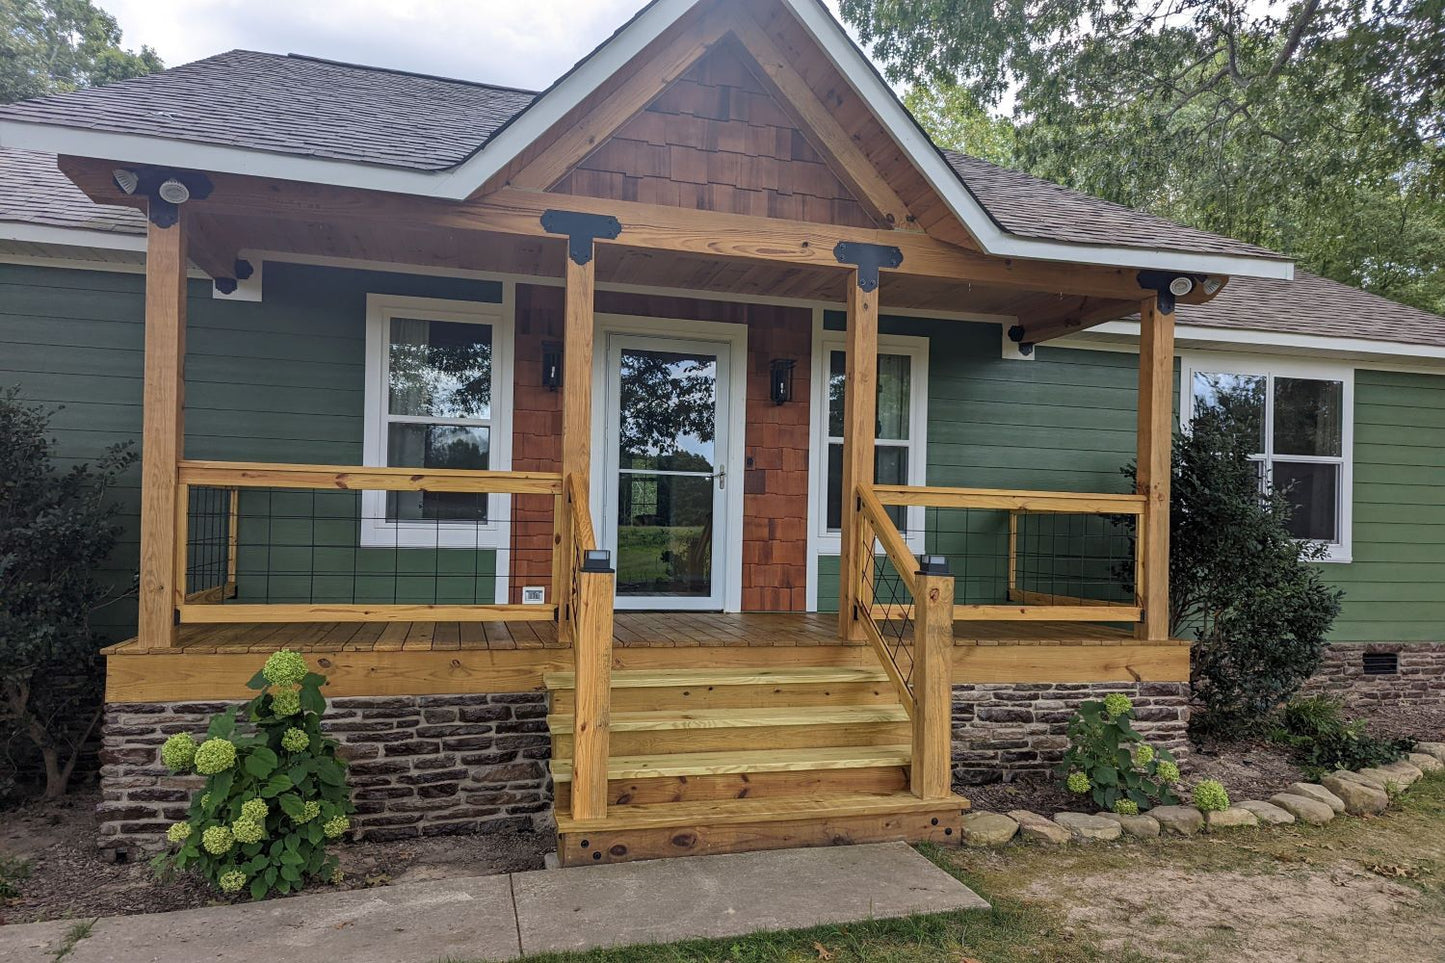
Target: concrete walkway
{"x":505,"y":917}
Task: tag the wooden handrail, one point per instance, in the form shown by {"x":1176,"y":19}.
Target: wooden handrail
{"x":225,"y":474}
{"x":586,"y":538}
{"x":1004,"y":500}
{"x":888,"y":536}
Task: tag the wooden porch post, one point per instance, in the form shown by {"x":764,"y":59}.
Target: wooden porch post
{"x":162,"y":433}
{"x":860,"y":418}
{"x":931,"y":771}
{"x":1156,"y":436}
{"x":591,"y":619}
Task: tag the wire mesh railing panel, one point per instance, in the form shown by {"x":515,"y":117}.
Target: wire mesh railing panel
{"x":891,"y":610}
{"x":317,"y":547}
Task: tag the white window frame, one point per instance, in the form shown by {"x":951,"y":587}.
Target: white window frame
{"x":494,"y":534}
{"x":1270,"y":368}
{"x":821,"y":540}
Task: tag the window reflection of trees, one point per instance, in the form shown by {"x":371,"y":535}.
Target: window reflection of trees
{"x":440,"y":369}
{"x":667,"y":399}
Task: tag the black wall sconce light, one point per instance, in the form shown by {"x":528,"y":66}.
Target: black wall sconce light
{"x":780,"y":377}
{"x":551,"y":365}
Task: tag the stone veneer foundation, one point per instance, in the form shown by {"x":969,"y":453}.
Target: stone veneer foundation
{"x":1418,"y":681}
{"x":1002,"y":731}
{"x":420,"y":766}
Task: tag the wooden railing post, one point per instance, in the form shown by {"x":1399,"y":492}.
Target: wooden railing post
{"x":860,"y":416}
{"x":931,"y":773}
{"x":162,"y":432}
{"x":1156,"y":438}
{"x":592,"y":648}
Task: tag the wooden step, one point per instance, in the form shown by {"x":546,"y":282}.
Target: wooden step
{"x":652,"y":678}
{"x":744,"y":785}
{"x":734,"y":718}
{"x":738,"y":740}
{"x":708,"y":695}
{"x":689,"y":829}
{"x":720,"y":763}
{"x":728,"y":812}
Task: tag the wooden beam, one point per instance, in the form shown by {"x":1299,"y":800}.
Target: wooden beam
{"x":817,"y":123}
{"x":228,"y":474}
{"x":282,"y":613}
{"x":162,"y":431}
{"x":1006,"y":500}
{"x":931,"y":774}
{"x":646,"y":81}
{"x":644,"y":226}
{"x":860,"y":416}
{"x":1155,"y":438}
{"x":1089,"y":313}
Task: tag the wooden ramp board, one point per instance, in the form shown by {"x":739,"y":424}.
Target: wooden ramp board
{"x":770,"y":760}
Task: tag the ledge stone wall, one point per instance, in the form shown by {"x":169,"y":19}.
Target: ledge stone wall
{"x":420,"y":766}
{"x":1419,"y":681}
{"x":1003,"y":731}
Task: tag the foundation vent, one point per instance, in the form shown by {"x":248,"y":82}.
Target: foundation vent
{"x":1382,"y":663}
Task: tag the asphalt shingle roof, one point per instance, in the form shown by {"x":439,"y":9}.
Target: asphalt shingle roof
{"x":386,"y":118}
{"x":294,"y":105}
{"x":34,"y":191}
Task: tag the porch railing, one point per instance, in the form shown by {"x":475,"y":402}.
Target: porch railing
{"x":285,"y":543}
{"x":1033,"y":555}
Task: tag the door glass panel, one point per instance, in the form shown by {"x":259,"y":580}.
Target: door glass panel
{"x":668,"y":417}
{"x":1311,"y":488}
{"x":1308,"y":419}
{"x":666,"y":485}
{"x":664,"y":534}
{"x":437,"y":446}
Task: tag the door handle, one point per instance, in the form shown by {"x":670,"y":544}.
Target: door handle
{"x":722,"y":478}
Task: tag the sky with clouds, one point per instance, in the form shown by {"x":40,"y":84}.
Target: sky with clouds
{"x":524,"y":44}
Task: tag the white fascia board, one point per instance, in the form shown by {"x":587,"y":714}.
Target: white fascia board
{"x":464,"y":180}
{"x":844,"y":54}
{"x":1266,"y":342}
{"x":71,"y":237}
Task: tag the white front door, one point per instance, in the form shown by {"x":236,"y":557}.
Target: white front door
{"x":665,"y":458}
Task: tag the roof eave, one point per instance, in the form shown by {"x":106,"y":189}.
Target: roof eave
{"x":465,"y":179}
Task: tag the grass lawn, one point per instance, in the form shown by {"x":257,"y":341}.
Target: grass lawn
{"x":1358,"y":889}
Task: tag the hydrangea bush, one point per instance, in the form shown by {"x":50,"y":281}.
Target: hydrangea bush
{"x":1110,"y":761}
{"x":1210,"y":796}
{"x":276,"y":793}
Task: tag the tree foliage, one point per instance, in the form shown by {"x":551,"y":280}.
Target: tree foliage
{"x":56,"y":528}
{"x":52,"y":46}
{"x":1313,"y":127}
{"x":1239,"y":582}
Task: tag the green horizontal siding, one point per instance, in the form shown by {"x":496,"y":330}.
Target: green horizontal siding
{"x":1062,"y":422}
{"x":282,"y":380}
{"x":1395,"y":584}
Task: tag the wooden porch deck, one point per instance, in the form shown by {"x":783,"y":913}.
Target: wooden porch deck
{"x":630,"y":629}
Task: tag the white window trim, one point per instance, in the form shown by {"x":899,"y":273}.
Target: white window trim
{"x":1269,"y":366}
{"x":495,"y":534}
{"x":820,"y":540}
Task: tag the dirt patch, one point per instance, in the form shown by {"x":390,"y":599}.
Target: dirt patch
{"x":1173,"y":914}
{"x":68,"y":877}
{"x":1249,"y":769}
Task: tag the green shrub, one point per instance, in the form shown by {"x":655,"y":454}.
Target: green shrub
{"x":1320,"y":739}
{"x":1210,"y":796}
{"x":1108,"y":760}
{"x":1239,"y":581}
{"x":275,"y":794}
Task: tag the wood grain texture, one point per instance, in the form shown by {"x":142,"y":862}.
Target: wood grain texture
{"x":932,"y":770}
{"x":744,"y":785}
{"x":163,"y":431}
{"x":592,"y":723}
{"x":348,"y":478}
{"x":860,"y":415}
{"x":1156,"y":439}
